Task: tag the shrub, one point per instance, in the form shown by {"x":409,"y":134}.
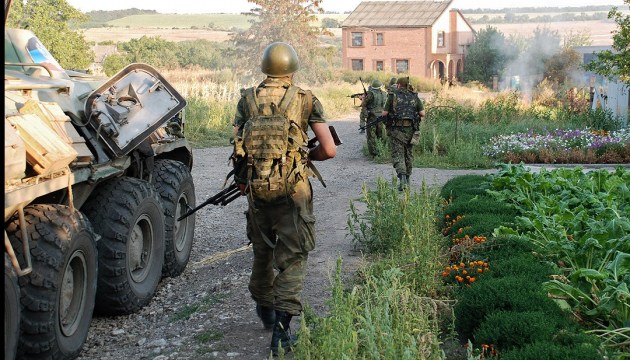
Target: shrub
{"x":465,"y":184}
{"x":512,"y":293}
{"x":480,"y":204}
{"x":523,"y":264}
{"x":508,"y":329}
{"x":545,"y":350}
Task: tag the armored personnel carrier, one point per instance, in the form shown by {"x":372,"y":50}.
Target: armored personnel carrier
{"x":97,"y":172}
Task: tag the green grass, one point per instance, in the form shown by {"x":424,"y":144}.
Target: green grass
{"x":208,"y":336}
{"x":387,"y":312}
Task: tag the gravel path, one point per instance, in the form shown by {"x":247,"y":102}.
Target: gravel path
{"x":206,"y":313}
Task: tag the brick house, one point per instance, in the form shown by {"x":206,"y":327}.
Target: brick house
{"x":428,"y":39}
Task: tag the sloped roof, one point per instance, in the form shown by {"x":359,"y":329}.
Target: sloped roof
{"x":396,"y":13}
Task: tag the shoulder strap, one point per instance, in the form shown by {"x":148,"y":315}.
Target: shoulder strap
{"x":250,"y":98}
{"x":308,"y":109}
{"x":286,"y":100}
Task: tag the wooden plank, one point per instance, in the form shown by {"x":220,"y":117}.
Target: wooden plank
{"x":46,"y":151}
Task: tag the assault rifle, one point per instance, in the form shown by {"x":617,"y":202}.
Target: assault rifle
{"x":222,"y":198}
{"x":232,"y":192}
{"x":359,"y":95}
{"x":374,"y":122}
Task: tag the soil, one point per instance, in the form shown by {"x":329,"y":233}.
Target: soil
{"x":207,"y":312}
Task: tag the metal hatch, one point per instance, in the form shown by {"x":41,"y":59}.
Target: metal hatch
{"x":130,"y":106}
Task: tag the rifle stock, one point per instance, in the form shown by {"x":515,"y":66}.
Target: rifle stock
{"x":222,"y":198}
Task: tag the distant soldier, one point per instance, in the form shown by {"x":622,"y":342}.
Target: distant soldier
{"x":371,"y":108}
{"x":392,"y":84}
{"x":405,"y":111}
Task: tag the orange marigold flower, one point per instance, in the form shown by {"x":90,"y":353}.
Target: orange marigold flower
{"x":448,"y":216}
{"x":479,"y":263}
{"x":486,"y":269}
{"x":480,"y":270}
{"x":445,"y":274}
{"x":485,"y":264}
{"x":461,"y":264}
{"x":460,"y":230}
{"x":464,"y":272}
{"x":472,"y":279}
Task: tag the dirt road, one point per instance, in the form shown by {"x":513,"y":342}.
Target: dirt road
{"x":207,"y":313}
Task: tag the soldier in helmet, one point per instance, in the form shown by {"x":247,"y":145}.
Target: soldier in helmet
{"x":272,"y":168}
{"x":392,"y":84}
{"x":405,"y":111}
{"x":371,"y":108}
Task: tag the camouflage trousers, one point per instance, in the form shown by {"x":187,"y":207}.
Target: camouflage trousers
{"x":401,"y":149}
{"x":282,"y":234}
{"x":373,"y":133}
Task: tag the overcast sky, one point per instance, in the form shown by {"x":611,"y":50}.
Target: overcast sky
{"x":237,"y":6}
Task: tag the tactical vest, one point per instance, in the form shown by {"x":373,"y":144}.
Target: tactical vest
{"x":404,"y":105}
{"x":378,"y":102}
{"x":274,"y":141}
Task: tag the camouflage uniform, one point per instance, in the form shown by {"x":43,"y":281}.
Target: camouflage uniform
{"x":403,"y":107}
{"x":282,"y":233}
{"x":371,"y":108}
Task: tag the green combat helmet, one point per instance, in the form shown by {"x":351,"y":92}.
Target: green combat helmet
{"x":279,"y":59}
{"x":376,"y":84}
{"x":392,"y":82}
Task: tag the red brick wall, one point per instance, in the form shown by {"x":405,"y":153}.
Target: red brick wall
{"x":412,"y":44}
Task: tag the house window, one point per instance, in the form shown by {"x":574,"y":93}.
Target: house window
{"x":357,"y":64}
{"x":357,"y":39}
{"x":440,"y":39}
{"x":379,"y":66}
{"x":402,"y":66}
{"x":379,"y":39}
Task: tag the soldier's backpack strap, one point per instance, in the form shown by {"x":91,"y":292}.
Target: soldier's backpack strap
{"x":250,"y":99}
{"x":308,"y":109}
{"x":286,"y":100}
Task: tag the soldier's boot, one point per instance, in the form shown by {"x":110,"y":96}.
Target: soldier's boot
{"x":407,"y":181}
{"x":362,"y":131}
{"x":402,"y":182}
{"x":267,"y":315}
{"x":281,"y":336}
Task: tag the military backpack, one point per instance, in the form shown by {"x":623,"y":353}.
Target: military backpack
{"x":274,"y":146}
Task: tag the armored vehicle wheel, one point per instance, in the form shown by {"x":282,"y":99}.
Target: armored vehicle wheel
{"x":128,"y":214}
{"x":57,"y":297}
{"x":11,"y":310}
{"x":174,"y":183}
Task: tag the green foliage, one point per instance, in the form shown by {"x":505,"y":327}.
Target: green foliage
{"x":560,"y":66}
{"x":289,"y":21}
{"x":464,"y":185}
{"x":52,"y":22}
{"x":114,"y":63}
{"x":510,"y":329}
{"x":512,"y":293}
{"x":546,"y":350}
{"x":209,"y":122}
{"x":154,"y":51}
{"x":391,"y":222}
{"x":616,"y":63}
{"x":505,"y":247}
{"x":487,"y":55}
{"x":330,"y":23}
{"x":520,"y":264}
{"x":480,"y":205}
{"x":359,"y":318}
{"x":479,"y":224}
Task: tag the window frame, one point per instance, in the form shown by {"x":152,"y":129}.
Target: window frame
{"x":376,"y":63}
{"x":376,"y":38}
{"x":352,"y":38}
{"x":396,"y":66}
{"x":441,"y":35}
{"x":352,"y":61}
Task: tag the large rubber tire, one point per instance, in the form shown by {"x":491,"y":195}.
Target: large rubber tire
{"x":11,"y":310}
{"x":128,"y":214}
{"x":58,"y":296}
{"x":173,"y":181}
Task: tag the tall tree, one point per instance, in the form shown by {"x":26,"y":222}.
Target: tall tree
{"x":290,"y":21}
{"x":488,"y":55}
{"x":616,"y":63}
{"x":52,"y":22}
